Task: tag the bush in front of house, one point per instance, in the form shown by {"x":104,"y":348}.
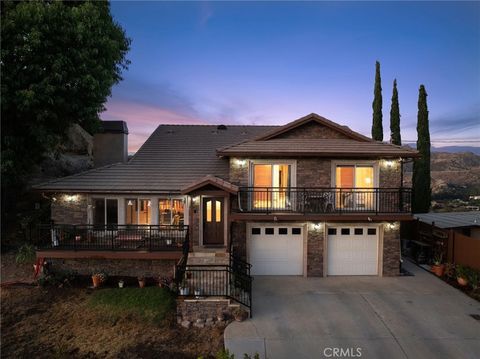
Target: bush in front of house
{"x":58,"y":278}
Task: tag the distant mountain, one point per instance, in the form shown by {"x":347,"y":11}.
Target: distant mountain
{"x":457,"y":149}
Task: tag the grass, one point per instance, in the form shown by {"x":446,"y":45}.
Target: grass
{"x":151,"y":303}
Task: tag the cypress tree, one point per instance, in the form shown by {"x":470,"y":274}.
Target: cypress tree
{"x":421,"y":166}
{"x":377,"y":128}
{"x":395,"y":136}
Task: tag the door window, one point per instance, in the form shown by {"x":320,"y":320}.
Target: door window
{"x":355,"y":187}
{"x":271,"y":184}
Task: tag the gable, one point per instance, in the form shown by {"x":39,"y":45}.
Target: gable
{"x":313,"y":130}
{"x":314,"y":126}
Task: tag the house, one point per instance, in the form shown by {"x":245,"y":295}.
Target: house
{"x":310,"y":198}
{"x":455,"y":234}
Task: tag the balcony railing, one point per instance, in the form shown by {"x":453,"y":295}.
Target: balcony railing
{"x":323,"y":200}
{"x":112,"y":237}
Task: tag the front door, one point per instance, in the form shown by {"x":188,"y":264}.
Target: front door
{"x":213,"y":221}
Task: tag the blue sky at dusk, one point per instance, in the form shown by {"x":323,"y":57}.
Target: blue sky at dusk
{"x":273,"y":62}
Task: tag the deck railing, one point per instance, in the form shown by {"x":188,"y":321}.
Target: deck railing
{"x":112,"y":237}
{"x":323,"y":200}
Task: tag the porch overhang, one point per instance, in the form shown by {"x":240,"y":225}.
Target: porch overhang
{"x":209,"y":182}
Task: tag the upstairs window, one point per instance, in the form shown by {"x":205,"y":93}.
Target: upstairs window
{"x":271,"y":184}
{"x":138,"y":211}
{"x":170,"y":212}
{"x":105,"y":211}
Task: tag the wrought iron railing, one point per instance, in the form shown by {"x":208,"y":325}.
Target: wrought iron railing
{"x":112,"y":237}
{"x":207,"y":280}
{"x":323,"y":200}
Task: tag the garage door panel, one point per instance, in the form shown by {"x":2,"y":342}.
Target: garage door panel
{"x":276,"y":254}
{"x":352,"y":254}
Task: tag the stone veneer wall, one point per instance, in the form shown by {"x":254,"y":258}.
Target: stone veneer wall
{"x":312,"y":130}
{"x":238,"y":235}
{"x":194,"y":223}
{"x":391,"y":250}
{"x":315,"y":239}
{"x":64,"y":211}
{"x":118,"y":267}
{"x":203,"y":312}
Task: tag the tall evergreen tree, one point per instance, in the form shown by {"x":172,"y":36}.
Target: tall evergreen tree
{"x":395,"y":136}
{"x":377,"y":127}
{"x":421,"y":166}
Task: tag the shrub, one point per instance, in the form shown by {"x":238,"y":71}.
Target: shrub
{"x":25,"y":254}
{"x":461,"y":271}
{"x":57,"y":278}
{"x":474,"y":278}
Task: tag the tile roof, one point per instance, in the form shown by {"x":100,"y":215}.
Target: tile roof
{"x":451,"y":219}
{"x":317,"y":147}
{"x":210,"y":180}
{"x":172,"y":158}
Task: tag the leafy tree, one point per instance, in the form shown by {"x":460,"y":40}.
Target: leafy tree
{"x":377,"y":127}
{"x":59,"y":61}
{"x":421,"y":167}
{"x":395,"y":136}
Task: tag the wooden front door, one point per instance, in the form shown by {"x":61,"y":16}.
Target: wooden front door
{"x":213,"y":221}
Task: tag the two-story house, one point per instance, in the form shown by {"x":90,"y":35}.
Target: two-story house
{"x":310,"y":198}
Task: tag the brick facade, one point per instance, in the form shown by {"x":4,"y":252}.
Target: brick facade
{"x":238,"y":234}
{"x":391,"y":249}
{"x":118,"y":267}
{"x":69,"y":209}
{"x":315,"y":244}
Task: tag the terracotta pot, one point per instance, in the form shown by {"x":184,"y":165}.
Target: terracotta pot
{"x":462,"y":281}
{"x":97,"y":281}
{"x":141,"y":283}
{"x":439,"y":269}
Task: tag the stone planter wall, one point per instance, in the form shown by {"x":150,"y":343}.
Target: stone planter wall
{"x":202,"y":313}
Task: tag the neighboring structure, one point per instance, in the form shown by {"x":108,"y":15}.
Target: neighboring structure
{"x":310,"y":198}
{"x":456,"y":234}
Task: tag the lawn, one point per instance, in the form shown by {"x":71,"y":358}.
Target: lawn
{"x":152,"y":303}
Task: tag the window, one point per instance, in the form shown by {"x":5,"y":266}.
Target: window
{"x":283,"y":231}
{"x":345,"y":231}
{"x":356,"y":183}
{"x":256,"y":230}
{"x":332,"y":231}
{"x":138,"y":211}
{"x":358,"y":231}
{"x":296,"y":231}
{"x":372,"y":231}
{"x":170,"y":211}
{"x":105,"y":211}
{"x":269,"y":231}
{"x":272,"y":183}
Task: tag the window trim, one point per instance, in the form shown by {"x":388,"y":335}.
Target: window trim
{"x":374,"y":164}
{"x":292,"y":163}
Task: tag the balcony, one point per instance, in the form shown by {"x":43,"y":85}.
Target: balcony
{"x":301,"y":200}
{"x":88,"y":237}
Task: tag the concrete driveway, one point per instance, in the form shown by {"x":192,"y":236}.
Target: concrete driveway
{"x":357,"y":317}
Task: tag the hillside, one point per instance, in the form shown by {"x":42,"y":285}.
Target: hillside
{"x":454,"y":175}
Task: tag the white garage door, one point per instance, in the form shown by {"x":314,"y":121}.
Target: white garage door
{"x":275,"y":249}
{"x":352,"y":250}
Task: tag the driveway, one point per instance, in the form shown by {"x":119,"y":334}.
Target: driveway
{"x":353,"y":317}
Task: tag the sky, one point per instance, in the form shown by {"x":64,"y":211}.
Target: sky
{"x":273,"y":62}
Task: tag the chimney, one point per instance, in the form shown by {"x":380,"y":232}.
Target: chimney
{"x":110,"y":144}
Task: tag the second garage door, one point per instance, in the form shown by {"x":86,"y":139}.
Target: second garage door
{"x":352,"y":250}
{"x":275,"y":250}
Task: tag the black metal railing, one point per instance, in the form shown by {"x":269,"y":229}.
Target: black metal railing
{"x":323,"y":200}
{"x":112,"y":237}
{"x":182,"y":263}
{"x":216,"y":281}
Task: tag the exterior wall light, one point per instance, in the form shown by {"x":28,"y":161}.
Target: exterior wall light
{"x":316,"y":226}
{"x":240,"y":163}
{"x":388,"y":163}
{"x":71,"y":198}
{"x":391,"y":226}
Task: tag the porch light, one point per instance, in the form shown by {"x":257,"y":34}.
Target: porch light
{"x":71,"y":198}
{"x":388,"y":163}
{"x":391,"y":226}
{"x":317,"y":226}
{"x":240,"y":163}
{"x":129,"y":203}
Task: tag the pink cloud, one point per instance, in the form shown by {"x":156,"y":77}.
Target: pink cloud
{"x":143,"y":119}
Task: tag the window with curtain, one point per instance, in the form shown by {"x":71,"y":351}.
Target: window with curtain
{"x":357,"y":186}
{"x":272,"y":185}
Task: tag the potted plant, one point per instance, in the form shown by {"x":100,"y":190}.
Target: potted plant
{"x":98,"y":278}
{"x":438,"y":267}
{"x":184,"y":288}
{"x":141,"y":281}
{"x":198,"y":293}
{"x":121,"y":283}
{"x":450,"y":270}
{"x":462,"y":275}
